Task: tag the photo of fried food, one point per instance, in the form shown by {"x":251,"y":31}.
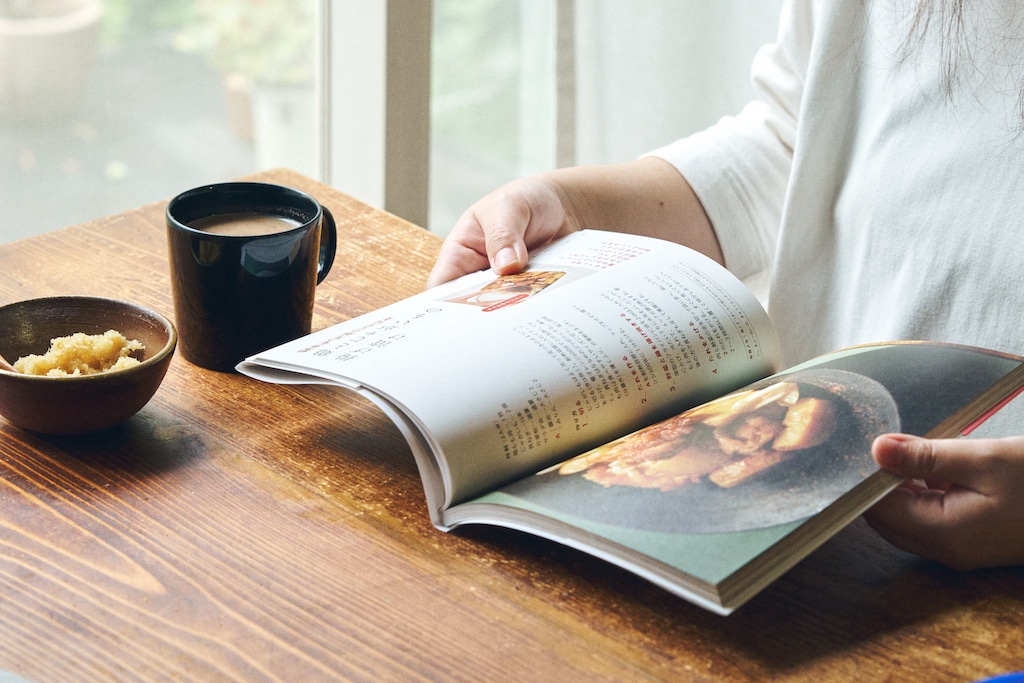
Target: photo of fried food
{"x":509,"y":289}
{"x":779,"y":451}
{"x":725,"y":442}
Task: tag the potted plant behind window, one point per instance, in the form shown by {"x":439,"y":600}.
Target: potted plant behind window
{"x":46,"y":54}
{"x":264,"y":49}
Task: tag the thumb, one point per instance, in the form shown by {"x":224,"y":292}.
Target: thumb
{"x":504,"y":232}
{"x":508,"y":254}
{"x":952,"y":461}
{"x":503,"y":219}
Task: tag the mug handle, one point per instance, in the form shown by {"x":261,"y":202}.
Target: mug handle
{"x":328,"y":245}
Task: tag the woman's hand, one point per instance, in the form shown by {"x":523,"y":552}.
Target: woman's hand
{"x":501,"y":229}
{"x":647,"y":196}
{"x":962,"y":504}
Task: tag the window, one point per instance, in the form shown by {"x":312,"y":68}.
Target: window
{"x":417,"y":107}
{"x":109,"y":104}
{"x":522,"y":86}
{"x":493,"y":114}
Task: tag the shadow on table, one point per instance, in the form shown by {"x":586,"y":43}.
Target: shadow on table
{"x":149,"y":444}
{"x":853,"y":590}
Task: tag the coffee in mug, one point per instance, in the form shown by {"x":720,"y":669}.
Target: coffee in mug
{"x":246,"y":224}
{"x":245,"y":261}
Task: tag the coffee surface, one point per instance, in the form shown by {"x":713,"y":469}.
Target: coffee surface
{"x":246,"y":224}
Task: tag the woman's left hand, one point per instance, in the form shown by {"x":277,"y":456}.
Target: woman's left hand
{"x":962,"y":504}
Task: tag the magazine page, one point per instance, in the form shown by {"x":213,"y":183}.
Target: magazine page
{"x":720,"y":500}
{"x":603,"y":333}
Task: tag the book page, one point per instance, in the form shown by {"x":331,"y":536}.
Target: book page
{"x":602,"y":334}
{"x":722,"y":498}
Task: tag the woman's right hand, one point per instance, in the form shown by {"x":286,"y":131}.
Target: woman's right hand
{"x":502,"y":228}
{"x":646,"y":196}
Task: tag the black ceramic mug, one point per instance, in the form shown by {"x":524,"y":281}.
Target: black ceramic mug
{"x":245,"y":262}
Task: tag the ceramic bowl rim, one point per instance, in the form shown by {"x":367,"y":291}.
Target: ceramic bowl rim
{"x":155,"y":359}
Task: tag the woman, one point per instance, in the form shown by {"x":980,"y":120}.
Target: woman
{"x":877,"y":174}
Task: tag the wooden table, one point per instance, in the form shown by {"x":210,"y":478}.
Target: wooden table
{"x":234,"y":530}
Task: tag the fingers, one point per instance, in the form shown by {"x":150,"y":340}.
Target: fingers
{"x":454,"y":266}
{"x":516,"y":218}
{"x":913,"y":518}
{"x":464,"y":251}
{"x":500,"y":229}
{"x":959,"y":528}
{"x":478,"y":241}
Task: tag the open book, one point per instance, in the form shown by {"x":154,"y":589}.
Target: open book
{"x":619,"y":397}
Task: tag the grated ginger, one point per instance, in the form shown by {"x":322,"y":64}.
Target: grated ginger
{"x":82,"y":354}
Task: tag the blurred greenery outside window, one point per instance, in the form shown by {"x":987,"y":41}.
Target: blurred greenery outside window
{"x":145,"y":99}
{"x":175,"y":93}
{"x":483,"y":103}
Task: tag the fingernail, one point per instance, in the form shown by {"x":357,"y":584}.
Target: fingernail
{"x":505,"y":257}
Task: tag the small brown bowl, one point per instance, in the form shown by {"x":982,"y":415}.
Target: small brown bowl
{"x":85,"y":403}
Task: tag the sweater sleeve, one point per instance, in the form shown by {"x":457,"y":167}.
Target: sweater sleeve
{"x":739,"y":167}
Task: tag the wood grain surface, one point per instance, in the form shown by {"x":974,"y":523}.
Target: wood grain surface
{"x":234,"y":530}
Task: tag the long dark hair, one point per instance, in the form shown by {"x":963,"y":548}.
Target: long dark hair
{"x":948,"y":17}
{"x":967,"y":44}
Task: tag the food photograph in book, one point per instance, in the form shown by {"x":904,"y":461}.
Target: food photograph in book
{"x":771,"y":454}
{"x":509,"y":290}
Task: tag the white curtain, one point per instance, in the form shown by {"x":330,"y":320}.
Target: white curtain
{"x":567,"y":82}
